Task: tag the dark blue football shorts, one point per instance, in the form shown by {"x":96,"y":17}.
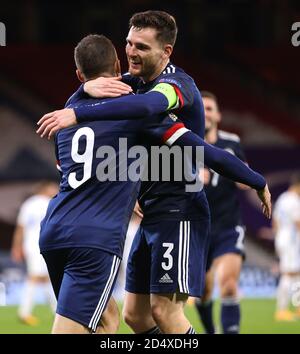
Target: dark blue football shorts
{"x":83,"y":280}
{"x":229,"y":240}
{"x":169,"y":256}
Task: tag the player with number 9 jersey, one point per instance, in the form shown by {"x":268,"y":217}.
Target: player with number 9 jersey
{"x":83,"y":233}
{"x":86,"y":205}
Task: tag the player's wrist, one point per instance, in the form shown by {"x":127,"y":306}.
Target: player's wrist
{"x":78,"y":115}
{"x":84,"y":87}
{"x":75,"y":120}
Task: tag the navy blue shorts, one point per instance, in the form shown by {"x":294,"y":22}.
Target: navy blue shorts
{"x":168,"y":257}
{"x":83,"y":280}
{"x":230,"y":240}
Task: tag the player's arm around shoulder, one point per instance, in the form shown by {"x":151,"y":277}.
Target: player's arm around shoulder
{"x":169,"y":92}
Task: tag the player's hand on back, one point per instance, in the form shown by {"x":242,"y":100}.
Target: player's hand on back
{"x":265,"y":197}
{"x":206,"y":175}
{"x":138,"y":211}
{"x":52,"y":122}
{"x":106,"y":87}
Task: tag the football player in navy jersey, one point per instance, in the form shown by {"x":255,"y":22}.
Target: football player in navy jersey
{"x":227,"y":231}
{"x":169,"y":252}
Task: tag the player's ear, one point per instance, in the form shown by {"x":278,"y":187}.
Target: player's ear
{"x":168,"y":50}
{"x":219,"y":117}
{"x":79,"y":76}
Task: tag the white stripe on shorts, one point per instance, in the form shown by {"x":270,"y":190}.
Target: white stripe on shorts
{"x":180,"y":259}
{"x":104,"y":296}
{"x":183,"y":256}
{"x":188,"y":254}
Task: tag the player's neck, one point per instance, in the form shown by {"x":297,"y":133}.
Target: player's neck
{"x":105,"y":74}
{"x":157,"y":72}
{"x":211,"y":136}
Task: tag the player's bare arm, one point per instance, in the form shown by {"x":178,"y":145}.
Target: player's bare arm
{"x":138,"y":211}
{"x":297,"y":224}
{"x":274,"y":225}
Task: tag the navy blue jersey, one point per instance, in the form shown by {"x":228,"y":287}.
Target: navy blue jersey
{"x":221,"y":192}
{"x":189,"y":108}
{"x":87,"y":212}
{"x":169,"y":199}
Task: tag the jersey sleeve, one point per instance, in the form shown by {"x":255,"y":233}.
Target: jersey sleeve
{"x":295,"y":211}
{"x":164,"y":129}
{"x":221,"y":161}
{"x":286,"y":206}
{"x":23,"y":215}
{"x":183,"y":87}
{"x":127,"y":107}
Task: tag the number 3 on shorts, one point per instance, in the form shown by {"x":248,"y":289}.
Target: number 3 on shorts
{"x":169,"y":264}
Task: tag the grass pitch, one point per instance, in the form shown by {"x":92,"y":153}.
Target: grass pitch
{"x":257,"y":317}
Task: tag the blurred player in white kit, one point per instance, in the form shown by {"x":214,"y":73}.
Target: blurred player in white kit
{"x":25,"y":247}
{"x":286,"y":224}
{"x":132,"y":229}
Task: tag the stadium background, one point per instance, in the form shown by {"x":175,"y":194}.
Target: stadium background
{"x":239,"y":49}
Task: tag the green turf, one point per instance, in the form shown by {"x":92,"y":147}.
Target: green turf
{"x":257,"y":317}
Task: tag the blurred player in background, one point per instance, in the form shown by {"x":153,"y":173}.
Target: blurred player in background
{"x":25,"y":246}
{"x":131,"y":232}
{"x":226,"y":250}
{"x":286,"y":225}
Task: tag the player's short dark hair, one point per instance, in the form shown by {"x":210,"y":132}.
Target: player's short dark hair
{"x":295,"y":179}
{"x":164,"y":23}
{"x":95,"y":54}
{"x":208,"y":94}
{"x":212,"y":96}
